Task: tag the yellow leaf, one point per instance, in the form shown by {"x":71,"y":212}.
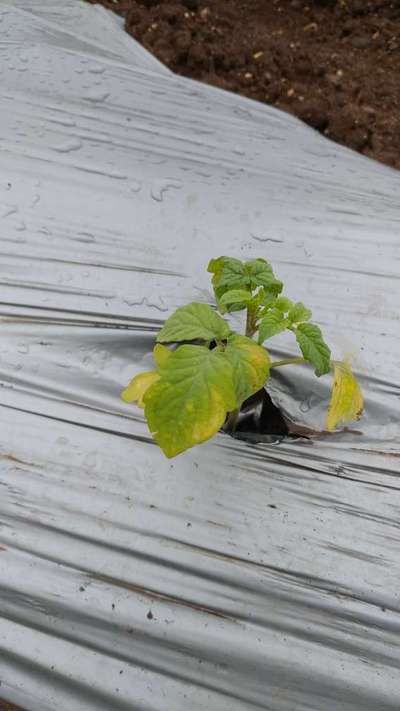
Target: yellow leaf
{"x":138,"y":387}
{"x":161,"y":354}
{"x":347,"y":401}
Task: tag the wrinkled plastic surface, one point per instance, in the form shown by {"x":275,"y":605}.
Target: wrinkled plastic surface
{"x":237,"y":576}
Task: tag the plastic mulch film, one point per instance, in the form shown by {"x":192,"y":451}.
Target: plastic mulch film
{"x":238,"y":576}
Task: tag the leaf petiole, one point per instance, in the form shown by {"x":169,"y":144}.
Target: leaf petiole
{"x":287,"y":361}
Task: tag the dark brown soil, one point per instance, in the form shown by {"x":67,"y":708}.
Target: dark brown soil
{"x":5,"y":706}
{"x":333,"y":63}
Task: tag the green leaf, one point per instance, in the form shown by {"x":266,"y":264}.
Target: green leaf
{"x":235,"y":300}
{"x":313,"y":347}
{"x":299,"y":313}
{"x":250,"y":365}
{"x":257,"y":267}
{"x":235,"y":295}
{"x":269,"y":303}
{"x":138,"y":387}
{"x":347,"y":402}
{"x":189,"y":403}
{"x":283,"y":304}
{"x":261,"y":274}
{"x":260,"y":298}
{"x":272,"y":324}
{"x":192,"y":322}
{"x":229,"y":273}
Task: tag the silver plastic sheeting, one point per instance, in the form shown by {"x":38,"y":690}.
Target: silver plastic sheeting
{"x":238,"y":576}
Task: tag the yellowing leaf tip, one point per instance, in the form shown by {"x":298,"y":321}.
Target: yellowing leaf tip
{"x":138,"y":387}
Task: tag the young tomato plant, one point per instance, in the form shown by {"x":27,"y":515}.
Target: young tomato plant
{"x":199,"y":387}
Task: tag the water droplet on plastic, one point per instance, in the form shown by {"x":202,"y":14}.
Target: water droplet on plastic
{"x":73,"y":144}
{"x":35,"y":200}
{"x":160,"y":187}
{"x":45,"y":231}
{"x":305,"y":405}
{"x":135,"y":186}
{"x":7,"y":210}
{"x":159,"y":304}
{"x":97,"y":96}
{"x":96,"y":69}
{"x":264,"y":238}
{"x":134,"y":301}
{"x":90,"y":460}
{"x":97,"y":170}
{"x":63,"y":121}
{"x":22,"y":348}
{"x":85,"y":237}
{"x":20,"y":226}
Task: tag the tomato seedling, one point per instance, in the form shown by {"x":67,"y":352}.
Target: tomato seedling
{"x":207,"y":370}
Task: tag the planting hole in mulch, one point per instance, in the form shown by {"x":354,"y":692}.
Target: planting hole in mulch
{"x":335,"y":64}
{"x":260,"y":420}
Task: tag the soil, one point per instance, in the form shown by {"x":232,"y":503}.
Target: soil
{"x":5,"y":706}
{"x":333,"y":63}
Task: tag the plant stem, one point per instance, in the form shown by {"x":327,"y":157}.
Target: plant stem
{"x":248,"y":323}
{"x":231,"y":422}
{"x":287,"y":361}
{"x":251,"y":326}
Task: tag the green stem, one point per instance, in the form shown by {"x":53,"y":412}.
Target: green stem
{"x":287,"y":361}
{"x":231,"y":422}
{"x":251,"y":323}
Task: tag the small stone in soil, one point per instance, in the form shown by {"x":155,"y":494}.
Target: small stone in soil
{"x":361,"y":42}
